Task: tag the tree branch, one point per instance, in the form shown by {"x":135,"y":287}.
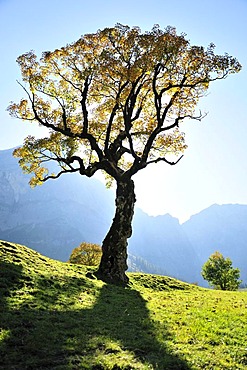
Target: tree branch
{"x":84,"y":106}
{"x":128,"y":111}
{"x":65,"y":131}
{"x":113,"y":113}
{"x":58,"y":175}
{"x":163,"y":159}
{"x":157,"y":97}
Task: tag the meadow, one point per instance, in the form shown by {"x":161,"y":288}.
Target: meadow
{"x":56,"y":315}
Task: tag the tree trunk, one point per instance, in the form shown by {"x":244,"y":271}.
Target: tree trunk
{"x":114,"y":258}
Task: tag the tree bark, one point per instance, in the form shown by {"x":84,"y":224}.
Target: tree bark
{"x":114,"y":258}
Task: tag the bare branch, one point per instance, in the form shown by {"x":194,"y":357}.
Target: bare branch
{"x":181,"y":118}
{"x":83,"y":104}
{"x":64,"y":78}
{"x":113,"y":113}
{"x":79,"y":160}
{"x":157,"y":96}
{"x":58,"y":175}
{"x":163,"y":159}
{"x":129,"y":108}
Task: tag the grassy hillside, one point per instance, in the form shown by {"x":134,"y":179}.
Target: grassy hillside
{"x":54,"y":315}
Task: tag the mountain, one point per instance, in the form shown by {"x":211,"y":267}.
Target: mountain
{"x":53,"y":218}
{"x":220,"y":228}
{"x":56,"y":217}
{"x":161,"y":241}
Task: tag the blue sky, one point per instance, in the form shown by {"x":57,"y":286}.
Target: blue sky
{"x":214,"y":168}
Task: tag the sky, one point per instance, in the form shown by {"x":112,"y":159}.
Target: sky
{"x":213,"y":169}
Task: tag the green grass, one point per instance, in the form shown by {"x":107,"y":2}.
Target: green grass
{"x":54,"y":315}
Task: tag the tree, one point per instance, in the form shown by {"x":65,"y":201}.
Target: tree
{"x":218,"y":271}
{"x":86,"y":254}
{"x":113,"y":101}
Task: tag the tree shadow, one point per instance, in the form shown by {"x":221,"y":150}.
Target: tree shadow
{"x":115,"y":325}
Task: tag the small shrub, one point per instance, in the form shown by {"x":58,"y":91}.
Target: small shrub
{"x":86,"y":254}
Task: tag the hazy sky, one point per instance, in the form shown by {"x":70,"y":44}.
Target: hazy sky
{"x":214,"y":168}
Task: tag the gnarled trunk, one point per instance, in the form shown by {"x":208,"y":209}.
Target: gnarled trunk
{"x":114,"y":258}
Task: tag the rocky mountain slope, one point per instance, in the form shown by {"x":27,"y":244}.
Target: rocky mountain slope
{"x":56,"y":217}
{"x":220,"y":228}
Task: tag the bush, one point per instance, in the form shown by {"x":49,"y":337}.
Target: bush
{"x":86,"y":254}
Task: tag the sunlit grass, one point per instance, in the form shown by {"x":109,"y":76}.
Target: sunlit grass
{"x":54,"y":315}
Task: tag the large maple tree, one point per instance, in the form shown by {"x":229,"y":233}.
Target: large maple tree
{"x":114,"y":101}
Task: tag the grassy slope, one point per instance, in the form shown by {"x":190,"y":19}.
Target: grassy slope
{"x":52,"y":316}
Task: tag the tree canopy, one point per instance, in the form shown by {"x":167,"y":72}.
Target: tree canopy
{"x":114,"y":101}
{"x":219,"y":272}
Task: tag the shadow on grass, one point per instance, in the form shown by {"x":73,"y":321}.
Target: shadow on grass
{"x":114,"y":333}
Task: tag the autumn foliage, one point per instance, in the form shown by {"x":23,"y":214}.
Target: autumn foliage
{"x":88,"y":254}
{"x":117,"y":97}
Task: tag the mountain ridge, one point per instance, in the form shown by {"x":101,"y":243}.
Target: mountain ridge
{"x":56,"y":217}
